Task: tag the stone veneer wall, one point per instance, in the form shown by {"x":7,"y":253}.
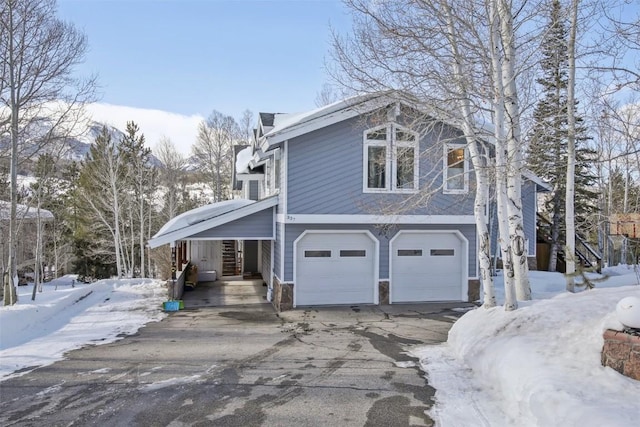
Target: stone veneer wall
{"x":473,"y":291}
{"x":282,"y":295}
{"x":383,"y":292}
{"x":532,"y":262}
{"x":621,"y":351}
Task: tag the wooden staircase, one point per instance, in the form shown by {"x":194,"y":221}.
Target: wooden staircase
{"x":229,"y":258}
{"x":585,"y":255}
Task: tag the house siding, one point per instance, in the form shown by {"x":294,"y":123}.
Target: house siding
{"x":266,"y":260}
{"x":257,"y":225}
{"x":529,"y":214}
{"x":293,"y":231}
{"x":277,"y":251}
{"x":253,"y":190}
{"x":334,"y":184}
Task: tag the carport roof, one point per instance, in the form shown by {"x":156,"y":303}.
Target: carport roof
{"x":206,"y":217}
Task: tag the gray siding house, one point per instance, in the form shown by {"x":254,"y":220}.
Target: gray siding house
{"x":359,"y":202}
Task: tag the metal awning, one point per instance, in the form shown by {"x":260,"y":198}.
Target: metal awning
{"x":240,"y":219}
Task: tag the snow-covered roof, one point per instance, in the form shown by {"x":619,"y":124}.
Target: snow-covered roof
{"x":23,"y":211}
{"x":208,"y":217}
{"x":242,"y":160}
{"x":200,"y":214}
{"x":289,"y":125}
{"x":541,"y":186}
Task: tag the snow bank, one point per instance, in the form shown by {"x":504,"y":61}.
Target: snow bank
{"x":536,"y":366}
{"x":63,"y":318}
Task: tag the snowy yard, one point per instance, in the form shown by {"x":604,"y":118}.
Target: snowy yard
{"x":538,"y":365}
{"x":65,"y":317}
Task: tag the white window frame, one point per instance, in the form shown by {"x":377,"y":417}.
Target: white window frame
{"x":268,"y":172}
{"x":276,"y":171}
{"x":445,"y":169}
{"x":391,"y":146}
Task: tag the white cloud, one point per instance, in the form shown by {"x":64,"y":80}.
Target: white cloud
{"x":155,"y":124}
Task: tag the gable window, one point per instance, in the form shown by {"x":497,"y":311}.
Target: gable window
{"x":456,"y":169}
{"x":390,"y":159}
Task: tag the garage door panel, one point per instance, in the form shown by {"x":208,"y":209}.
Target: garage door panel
{"x":345,"y":277}
{"x":426,"y":267}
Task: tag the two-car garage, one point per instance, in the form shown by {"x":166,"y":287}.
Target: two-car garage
{"x":342,"y":267}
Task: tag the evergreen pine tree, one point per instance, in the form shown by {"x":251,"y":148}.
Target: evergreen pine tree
{"x":547,"y":153}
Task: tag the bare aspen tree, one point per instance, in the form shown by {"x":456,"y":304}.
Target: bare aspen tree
{"x":570,"y":233}
{"x":246,"y":126}
{"x":38,"y":53}
{"x":504,"y":240}
{"x":173,"y":164}
{"x":480,"y":163}
{"x":214,"y":151}
{"x":101,"y":189}
{"x":327,"y":95}
{"x":453,"y":56}
{"x":513,"y":136}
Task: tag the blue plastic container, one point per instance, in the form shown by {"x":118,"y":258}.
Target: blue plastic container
{"x":172,"y":305}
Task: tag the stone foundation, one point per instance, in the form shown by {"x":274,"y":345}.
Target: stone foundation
{"x":621,"y":351}
{"x":532,"y":262}
{"x":473,"y":291}
{"x":282,"y":295}
{"x":383,"y":292}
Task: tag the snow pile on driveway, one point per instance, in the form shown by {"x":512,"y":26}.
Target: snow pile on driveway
{"x":68,"y":315}
{"x":538,"y":365}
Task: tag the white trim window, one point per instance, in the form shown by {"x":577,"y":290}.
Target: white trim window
{"x":456,"y":169}
{"x":390,"y":160}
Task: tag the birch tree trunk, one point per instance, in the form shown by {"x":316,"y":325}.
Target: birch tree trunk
{"x":571,"y":151}
{"x":10,"y":294}
{"x":480,"y":169}
{"x":141,"y":214}
{"x":510,"y":302}
{"x":514,"y":160}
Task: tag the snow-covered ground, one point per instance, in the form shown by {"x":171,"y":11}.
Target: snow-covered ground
{"x":67,"y":315}
{"x":538,"y":365}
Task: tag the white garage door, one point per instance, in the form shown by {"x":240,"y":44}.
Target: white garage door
{"x":335,"y":268}
{"x":427,"y":266}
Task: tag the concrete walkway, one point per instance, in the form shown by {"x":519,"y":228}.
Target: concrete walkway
{"x":226,"y":293}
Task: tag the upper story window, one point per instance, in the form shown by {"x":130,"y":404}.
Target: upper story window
{"x":456,"y":169}
{"x":390,"y":159}
{"x":272,"y":174}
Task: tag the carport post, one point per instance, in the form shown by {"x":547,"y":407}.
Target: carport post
{"x":173,"y":270}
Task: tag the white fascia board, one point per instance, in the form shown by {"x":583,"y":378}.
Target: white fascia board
{"x":329,"y":119}
{"x":249,"y":176}
{"x":189,"y":239}
{"x":374,"y":219}
{"x":536,"y":180}
{"x":213,"y":222}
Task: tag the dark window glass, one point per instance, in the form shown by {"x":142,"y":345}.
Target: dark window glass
{"x":317,"y":254}
{"x":377,"y":167}
{"x":378,"y":135}
{"x":442,"y":252}
{"x":405,"y":165}
{"x":409,"y":252}
{"x":353,"y":253}
{"x":404,"y":136}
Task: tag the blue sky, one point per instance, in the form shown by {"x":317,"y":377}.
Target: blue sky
{"x":193,"y":56}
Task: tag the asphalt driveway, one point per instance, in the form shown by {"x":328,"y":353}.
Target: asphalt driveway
{"x":242,"y":365}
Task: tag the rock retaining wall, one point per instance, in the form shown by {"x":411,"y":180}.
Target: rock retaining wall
{"x":621,"y":352}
